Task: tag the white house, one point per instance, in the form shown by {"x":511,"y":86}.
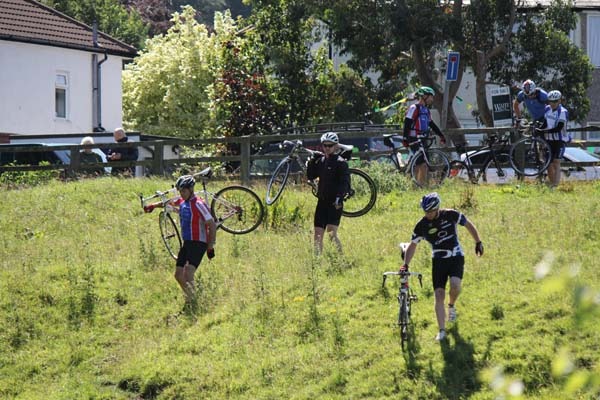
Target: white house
{"x":56,"y":74}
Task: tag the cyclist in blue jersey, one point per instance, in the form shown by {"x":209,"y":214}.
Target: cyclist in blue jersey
{"x":334,"y":182}
{"x":438,"y":227}
{"x":535,"y":100}
{"x":554,"y":131}
{"x":418,"y":122}
{"x":198,"y":231}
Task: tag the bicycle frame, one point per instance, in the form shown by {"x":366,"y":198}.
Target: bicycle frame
{"x":405,"y":298}
{"x":295,"y":155}
{"x":493,"y":147}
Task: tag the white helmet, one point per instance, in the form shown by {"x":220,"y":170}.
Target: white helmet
{"x":529,"y":86}
{"x":554,"y":95}
{"x":330,"y":137}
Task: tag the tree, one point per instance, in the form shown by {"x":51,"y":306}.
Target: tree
{"x":112,"y":17}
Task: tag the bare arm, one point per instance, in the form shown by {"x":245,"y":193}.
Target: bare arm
{"x":212,"y":233}
{"x":473,"y":231}
{"x":409,"y":253}
{"x":517,"y":109}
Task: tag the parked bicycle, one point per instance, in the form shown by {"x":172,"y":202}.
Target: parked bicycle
{"x":405,"y":298}
{"x":531,"y":155}
{"x":436,"y":161}
{"x":360,"y":199}
{"x":236,"y":209}
{"x":492,"y":159}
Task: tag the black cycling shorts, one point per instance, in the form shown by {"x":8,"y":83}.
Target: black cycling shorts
{"x":443,"y":268}
{"x":557,"y":148}
{"x":191,"y":252}
{"x":327,"y":214}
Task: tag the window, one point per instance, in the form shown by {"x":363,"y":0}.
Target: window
{"x":61,"y":86}
{"x":593,"y":39}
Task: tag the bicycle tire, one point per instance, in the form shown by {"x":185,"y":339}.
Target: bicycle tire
{"x":169,"y":233}
{"x":403,"y":317}
{"x":278,"y":181}
{"x":363,"y":194}
{"x":530,"y":156}
{"x":498,"y":170}
{"x":237,"y":209}
{"x":438,"y":167}
{"x":458,"y":169}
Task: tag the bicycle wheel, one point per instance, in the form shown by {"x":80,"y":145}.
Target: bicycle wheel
{"x":436,"y":169}
{"x":237,"y":209}
{"x":403,"y":317}
{"x":498,"y":170}
{"x":530,"y":156}
{"x":362,"y":196}
{"x":278,"y":181}
{"x":458,"y":169}
{"x":169,"y":233}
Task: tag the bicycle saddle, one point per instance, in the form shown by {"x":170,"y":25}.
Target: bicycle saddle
{"x":206,"y":173}
{"x":345,"y":151}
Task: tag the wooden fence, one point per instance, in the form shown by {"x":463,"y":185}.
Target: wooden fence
{"x":158,"y":164}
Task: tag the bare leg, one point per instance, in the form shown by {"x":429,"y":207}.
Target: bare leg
{"x":455,"y":287}
{"x":318,"y":239}
{"x":190,"y":271}
{"x":440,"y":311}
{"x":332,"y":229}
{"x":421,"y":174}
{"x":554,"y":173}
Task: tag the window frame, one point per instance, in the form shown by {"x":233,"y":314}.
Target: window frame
{"x":65,"y":87}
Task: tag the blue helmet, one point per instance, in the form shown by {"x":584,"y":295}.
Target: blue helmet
{"x":431,"y":202}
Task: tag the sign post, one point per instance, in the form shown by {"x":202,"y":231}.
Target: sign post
{"x":451,"y":75}
{"x":501,"y":106}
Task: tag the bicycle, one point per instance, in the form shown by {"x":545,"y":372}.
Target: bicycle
{"x":531,"y":155}
{"x":358,"y":201}
{"x":405,"y":298}
{"x":496,"y":163}
{"x":236,"y":209}
{"x":436,"y":161}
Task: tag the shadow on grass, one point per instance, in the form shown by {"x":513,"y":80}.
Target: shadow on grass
{"x":460,"y":375}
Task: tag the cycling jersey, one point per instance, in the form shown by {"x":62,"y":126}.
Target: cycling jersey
{"x":420,"y":118}
{"x":535,"y":105}
{"x":193,"y":215}
{"x":553,"y":119}
{"x":333,"y":174}
{"x":441,"y":233}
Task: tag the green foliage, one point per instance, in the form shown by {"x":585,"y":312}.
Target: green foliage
{"x":112,"y":17}
{"x":87,"y":312}
{"x":19,"y":179}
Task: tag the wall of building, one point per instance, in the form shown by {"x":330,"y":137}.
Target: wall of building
{"x":27,"y":89}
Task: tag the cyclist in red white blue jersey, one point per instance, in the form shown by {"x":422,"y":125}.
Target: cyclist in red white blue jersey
{"x":554,"y":131}
{"x":438,"y":227}
{"x":198,"y":230}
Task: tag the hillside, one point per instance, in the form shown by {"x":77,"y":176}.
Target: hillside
{"x":90,"y":309}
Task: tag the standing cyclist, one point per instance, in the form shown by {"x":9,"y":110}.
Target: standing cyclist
{"x":417,"y":123}
{"x":198,"y":230}
{"x":555,"y":133}
{"x":438,"y":227}
{"x":534,"y":98}
{"x":334,"y":183}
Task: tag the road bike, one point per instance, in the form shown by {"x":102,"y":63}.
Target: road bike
{"x":236,"y":209}
{"x":405,"y":297}
{"x":358,"y":201}
{"x":436,"y":161}
{"x":492,"y":159}
{"x":530,"y":155}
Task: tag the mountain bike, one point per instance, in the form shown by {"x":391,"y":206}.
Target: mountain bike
{"x":358,"y":201}
{"x":531,"y":155}
{"x":236,"y":209}
{"x":405,"y":298}
{"x":493,"y":160}
{"x":436,"y":161}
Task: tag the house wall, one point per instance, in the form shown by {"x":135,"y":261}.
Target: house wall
{"x":27,"y":89}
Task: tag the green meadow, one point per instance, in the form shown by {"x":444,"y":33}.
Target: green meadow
{"x":89,"y":308}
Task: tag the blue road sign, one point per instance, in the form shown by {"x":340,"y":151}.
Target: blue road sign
{"x":452,"y":65}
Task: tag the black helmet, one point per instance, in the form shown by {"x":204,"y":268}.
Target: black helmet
{"x":185,"y":182}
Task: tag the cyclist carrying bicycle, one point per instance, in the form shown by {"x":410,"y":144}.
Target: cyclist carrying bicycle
{"x":438,"y":227}
{"x":334,"y":182}
{"x":554,"y":131}
{"x":418,"y":122}
{"x":199,"y":232}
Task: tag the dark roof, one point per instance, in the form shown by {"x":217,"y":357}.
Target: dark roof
{"x":32,"y":22}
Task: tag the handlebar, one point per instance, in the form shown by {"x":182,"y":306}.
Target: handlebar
{"x":164,"y":197}
{"x":403,"y":274}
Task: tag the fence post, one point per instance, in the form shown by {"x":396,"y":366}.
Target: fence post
{"x":245,"y":161}
{"x":75,"y":163}
{"x":158,"y":165}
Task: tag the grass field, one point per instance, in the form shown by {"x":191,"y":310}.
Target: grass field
{"x":90,"y":308}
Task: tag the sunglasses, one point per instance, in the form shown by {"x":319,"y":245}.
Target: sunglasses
{"x":554,"y":101}
{"x":328,"y":144}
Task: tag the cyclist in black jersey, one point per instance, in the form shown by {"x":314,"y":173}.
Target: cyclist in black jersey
{"x":334,"y":182}
{"x":438,"y":227}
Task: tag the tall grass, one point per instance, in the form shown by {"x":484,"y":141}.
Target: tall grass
{"x":90,"y":308}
